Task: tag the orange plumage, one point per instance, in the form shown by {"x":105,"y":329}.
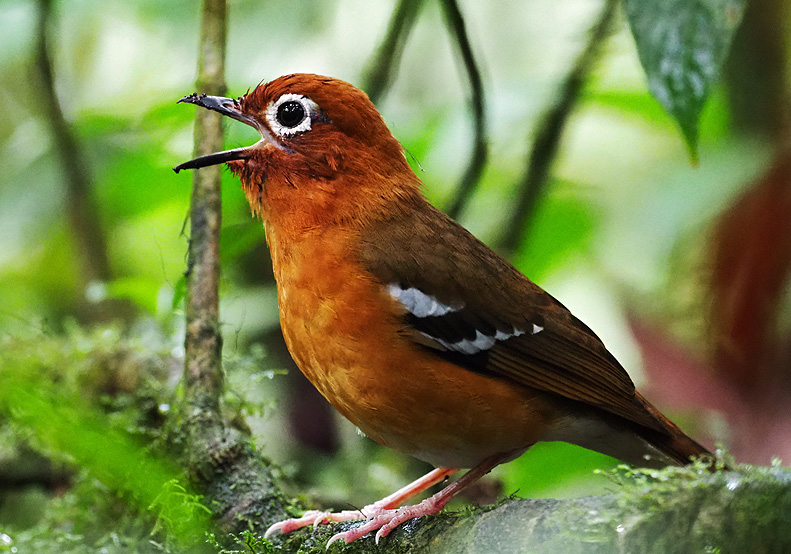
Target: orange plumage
{"x":413,"y":329}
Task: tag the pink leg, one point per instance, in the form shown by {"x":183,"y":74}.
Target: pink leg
{"x":316,"y":517}
{"x":414,"y":488}
{"x":387,"y":520}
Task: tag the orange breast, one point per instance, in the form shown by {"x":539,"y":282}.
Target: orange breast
{"x":342,"y":329}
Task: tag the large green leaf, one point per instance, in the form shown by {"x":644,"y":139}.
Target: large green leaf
{"x":682,"y":45}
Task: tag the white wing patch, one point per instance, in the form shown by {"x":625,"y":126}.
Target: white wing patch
{"x":480,"y":343}
{"x":418,"y":303}
{"x":422,"y":305}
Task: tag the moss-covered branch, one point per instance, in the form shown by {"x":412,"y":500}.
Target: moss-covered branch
{"x":54,"y":395}
{"x":236,"y":480}
{"x":675,"y":510}
{"x":203,"y":372}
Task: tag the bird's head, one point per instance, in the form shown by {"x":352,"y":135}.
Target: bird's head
{"x":324,"y":152}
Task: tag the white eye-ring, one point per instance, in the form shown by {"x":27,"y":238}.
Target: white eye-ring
{"x":291,"y":114}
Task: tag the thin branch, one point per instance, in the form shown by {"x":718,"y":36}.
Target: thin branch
{"x":550,"y":130}
{"x":83,"y":214}
{"x":235,"y":478}
{"x":380,"y":70}
{"x":455,"y":23}
{"x":203,"y":341}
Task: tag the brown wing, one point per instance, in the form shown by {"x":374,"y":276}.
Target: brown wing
{"x":470,"y":306}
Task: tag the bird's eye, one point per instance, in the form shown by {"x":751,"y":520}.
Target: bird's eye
{"x":290,"y":114}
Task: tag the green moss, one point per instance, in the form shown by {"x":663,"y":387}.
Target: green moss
{"x":691,"y":509}
{"x":92,"y":401}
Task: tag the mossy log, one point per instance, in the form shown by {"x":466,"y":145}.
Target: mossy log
{"x":676,"y":510}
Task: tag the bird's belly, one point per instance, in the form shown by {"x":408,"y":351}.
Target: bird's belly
{"x":397,"y":393}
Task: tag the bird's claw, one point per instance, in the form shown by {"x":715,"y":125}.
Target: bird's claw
{"x":383,"y":521}
{"x":377,"y":523}
{"x":311,"y":517}
{"x":380,"y":519}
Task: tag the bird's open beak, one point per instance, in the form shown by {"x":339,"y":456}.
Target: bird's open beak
{"x":225,"y":106}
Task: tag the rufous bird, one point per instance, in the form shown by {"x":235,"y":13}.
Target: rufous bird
{"x":423,"y":337}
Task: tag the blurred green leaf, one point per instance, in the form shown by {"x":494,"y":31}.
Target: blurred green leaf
{"x":639,"y":104}
{"x":550,"y":468}
{"x":180,"y":291}
{"x":682,"y":45}
{"x":238,"y":239}
{"x":133,"y":176}
{"x":143,"y":291}
{"x":563,"y":226}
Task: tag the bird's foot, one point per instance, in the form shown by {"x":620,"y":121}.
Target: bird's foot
{"x":380,"y":519}
{"x":316,"y":518}
{"x":383,"y":521}
{"x":380,"y":515}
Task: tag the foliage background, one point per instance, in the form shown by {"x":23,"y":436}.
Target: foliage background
{"x":631,"y":235}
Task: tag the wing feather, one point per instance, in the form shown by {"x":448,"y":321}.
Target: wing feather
{"x":494,"y":319}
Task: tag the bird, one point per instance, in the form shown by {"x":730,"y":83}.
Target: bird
{"x":417,"y":332}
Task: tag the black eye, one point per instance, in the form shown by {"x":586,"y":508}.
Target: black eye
{"x":290,"y":114}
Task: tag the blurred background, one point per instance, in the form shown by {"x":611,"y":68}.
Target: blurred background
{"x":682,"y":268}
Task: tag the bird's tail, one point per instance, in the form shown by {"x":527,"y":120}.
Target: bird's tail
{"x":674,"y":444}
